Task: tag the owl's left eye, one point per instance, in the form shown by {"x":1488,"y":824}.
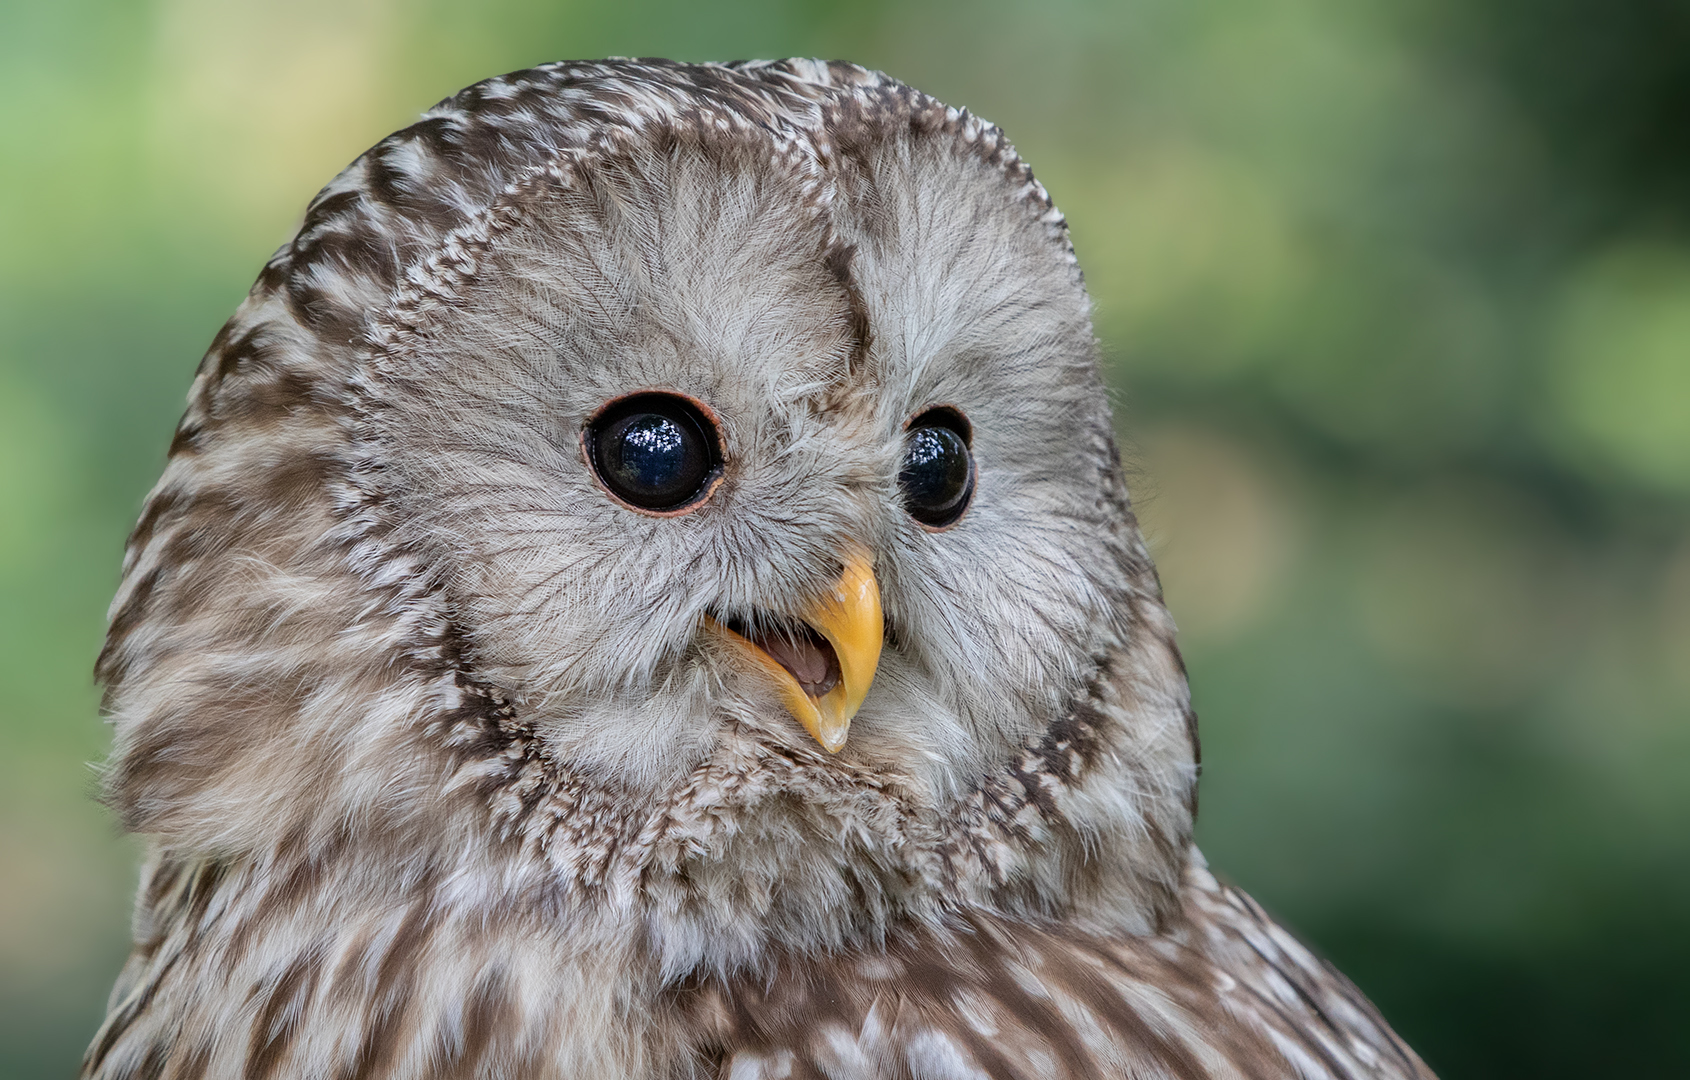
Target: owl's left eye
{"x":937,"y":473}
{"x":655,"y":452}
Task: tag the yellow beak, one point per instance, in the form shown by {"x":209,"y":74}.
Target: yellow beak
{"x":848,"y":616}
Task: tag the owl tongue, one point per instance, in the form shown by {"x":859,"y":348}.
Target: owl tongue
{"x":808,"y":657}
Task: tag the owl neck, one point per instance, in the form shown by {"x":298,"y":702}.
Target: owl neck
{"x":397,"y":939}
{"x":790,"y":849}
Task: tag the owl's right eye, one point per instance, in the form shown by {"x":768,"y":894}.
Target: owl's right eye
{"x":655,"y":452}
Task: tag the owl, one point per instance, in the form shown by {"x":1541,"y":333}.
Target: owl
{"x":644,"y":587}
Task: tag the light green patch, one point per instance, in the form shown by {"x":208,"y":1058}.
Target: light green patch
{"x":1619,"y":376}
{"x":33,"y":475}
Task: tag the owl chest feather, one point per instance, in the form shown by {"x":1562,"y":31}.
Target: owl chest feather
{"x":414,"y":989}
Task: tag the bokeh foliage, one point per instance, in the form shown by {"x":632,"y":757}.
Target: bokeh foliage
{"x":1397,"y":302}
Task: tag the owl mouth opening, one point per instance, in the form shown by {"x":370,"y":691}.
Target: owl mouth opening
{"x":796,"y":646}
{"x":823,"y":658}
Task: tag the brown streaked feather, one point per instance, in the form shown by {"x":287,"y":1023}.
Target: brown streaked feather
{"x":1223,"y":993}
{"x":1226,"y":994}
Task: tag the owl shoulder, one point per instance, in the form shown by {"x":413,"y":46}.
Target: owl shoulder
{"x":1225,"y":992}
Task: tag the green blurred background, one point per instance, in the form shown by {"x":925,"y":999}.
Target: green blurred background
{"x":1396,"y":297}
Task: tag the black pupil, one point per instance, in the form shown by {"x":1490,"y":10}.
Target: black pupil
{"x":655,"y":454}
{"x":937,"y":475}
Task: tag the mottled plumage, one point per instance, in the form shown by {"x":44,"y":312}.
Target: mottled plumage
{"x":445,"y":761}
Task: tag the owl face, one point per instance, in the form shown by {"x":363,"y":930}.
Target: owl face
{"x":692,"y":448}
{"x":682,"y":494}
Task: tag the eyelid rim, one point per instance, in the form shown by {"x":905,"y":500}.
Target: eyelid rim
{"x":718,"y":468}
{"x":964,"y":427}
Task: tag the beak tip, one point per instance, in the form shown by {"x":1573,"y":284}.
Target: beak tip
{"x":832,"y":743}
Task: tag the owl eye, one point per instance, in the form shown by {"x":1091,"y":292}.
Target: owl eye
{"x":656,"y":452}
{"x":937,"y":475}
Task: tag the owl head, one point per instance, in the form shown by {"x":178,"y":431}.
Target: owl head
{"x":670,"y":497}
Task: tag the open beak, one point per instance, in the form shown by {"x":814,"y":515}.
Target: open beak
{"x":835,"y":677}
